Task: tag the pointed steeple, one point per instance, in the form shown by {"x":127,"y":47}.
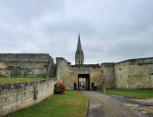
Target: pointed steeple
{"x":79,"y":48}
{"x":79,"y":56}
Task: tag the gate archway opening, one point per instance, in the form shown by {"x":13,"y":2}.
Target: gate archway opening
{"x":83,"y":81}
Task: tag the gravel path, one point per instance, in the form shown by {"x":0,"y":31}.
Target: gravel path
{"x":101,"y":105}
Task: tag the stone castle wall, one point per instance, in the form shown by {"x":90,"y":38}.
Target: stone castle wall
{"x":93,"y":70}
{"x":121,"y":75}
{"x":27,"y":65}
{"x":129,"y":74}
{"x":134,"y":74}
{"x":62,"y":68}
{"x":17,"y":96}
{"x":68,"y":73}
{"x":108,"y":75}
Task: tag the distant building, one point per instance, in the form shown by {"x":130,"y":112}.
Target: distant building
{"x":79,"y":56}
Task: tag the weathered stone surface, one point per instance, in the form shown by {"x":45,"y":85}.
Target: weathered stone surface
{"x":17,"y":96}
{"x":134,"y":74}
{"x":68,"y":73}
{"x":27,"y":65}
{"x":129,"y":74}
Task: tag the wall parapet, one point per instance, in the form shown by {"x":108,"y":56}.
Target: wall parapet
{"x":16,"y":96}
{"x":86,"y":65}
{"x":25,"y":57}
{"x":137,"y":60}
{"x":107,"y":64}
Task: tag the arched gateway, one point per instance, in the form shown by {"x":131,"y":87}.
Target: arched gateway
{"x":79,"y":76}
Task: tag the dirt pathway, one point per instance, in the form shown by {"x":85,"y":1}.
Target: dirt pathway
{"x":101,"y":105}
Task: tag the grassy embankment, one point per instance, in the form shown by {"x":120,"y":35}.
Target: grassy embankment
{"x":70,"y":104}
{"x":14,"y":80}
{"x":143,"y":93}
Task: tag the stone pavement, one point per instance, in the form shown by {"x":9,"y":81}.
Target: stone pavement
{"x":145,"y":106}
{"x":101,"y":105}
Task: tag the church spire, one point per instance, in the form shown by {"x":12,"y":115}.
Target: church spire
{"x":79,"y":56}
{"x":79,"y":48}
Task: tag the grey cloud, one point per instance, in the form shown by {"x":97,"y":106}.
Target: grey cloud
{"x":111,"y":30}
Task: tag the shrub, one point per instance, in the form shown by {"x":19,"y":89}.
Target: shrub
{"x":60,"y":88}
{"x":35,"y":93}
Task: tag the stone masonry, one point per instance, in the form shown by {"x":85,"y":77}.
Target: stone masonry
{"x":27,"y":65}
{"x":128,"y":74}
{"x":17,"y":96}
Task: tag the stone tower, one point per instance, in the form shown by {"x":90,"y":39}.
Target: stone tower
{"x":79,"y":56}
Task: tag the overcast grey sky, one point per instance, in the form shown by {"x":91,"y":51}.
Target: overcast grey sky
{"x":111,"y":30}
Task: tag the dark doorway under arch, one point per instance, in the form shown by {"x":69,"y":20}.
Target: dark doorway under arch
{"x":83,"y":81}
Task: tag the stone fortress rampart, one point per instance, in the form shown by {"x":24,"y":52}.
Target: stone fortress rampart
{"x":134,"y":73}
{"x":18,"y":96}
{"x":27,"y":65}
{"x":129,"y":74}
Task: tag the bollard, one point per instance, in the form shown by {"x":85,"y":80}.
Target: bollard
{"x":104,"y":90}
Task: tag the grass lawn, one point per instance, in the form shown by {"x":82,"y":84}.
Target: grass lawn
{"x":13,"y":80}
{"x":144,"y":93}
{"x":70,"y":104}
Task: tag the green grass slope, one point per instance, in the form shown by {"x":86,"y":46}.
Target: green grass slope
{"x":70,"y":104}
